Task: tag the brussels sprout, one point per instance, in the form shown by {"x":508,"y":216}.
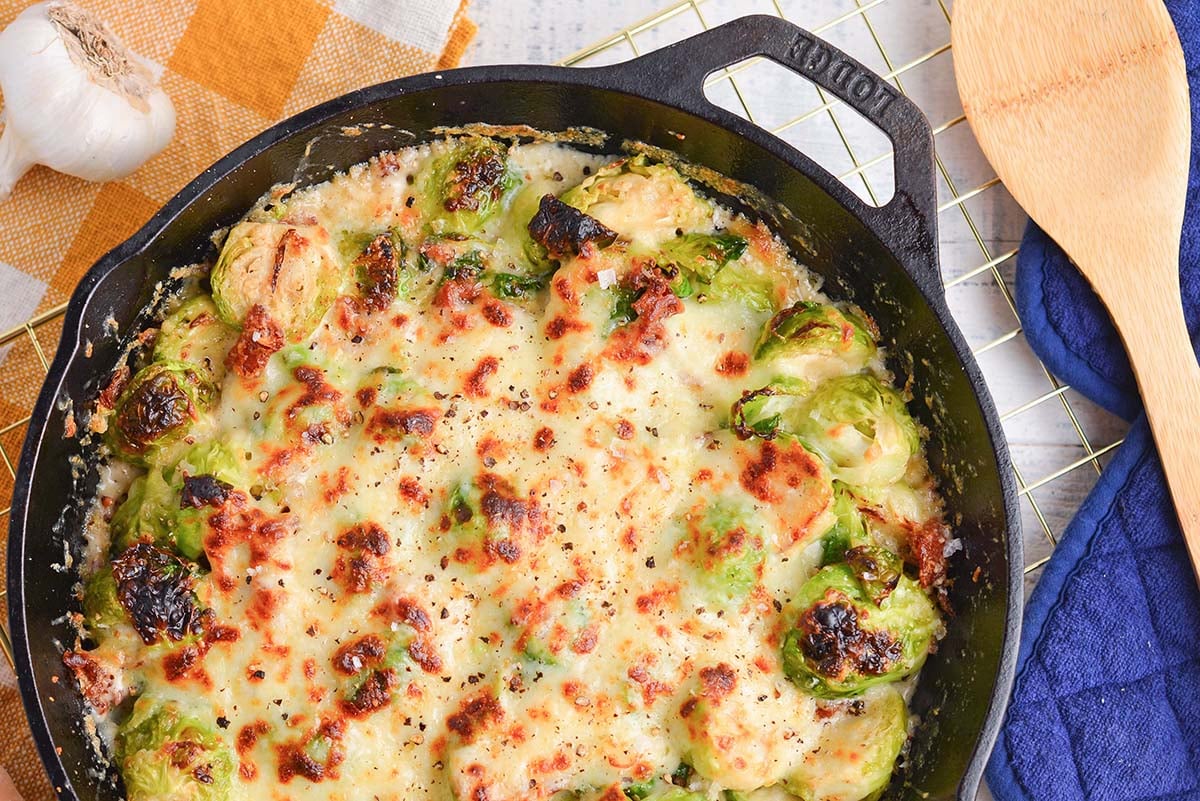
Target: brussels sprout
{"x":462,"y":514}
{"x":565,"y":231}
{"x":370,"y":665}
{"x":878,"y":570}
{"x":725,"y":544}
{"x":487,"y":518}
{"x":377,"y":271}
{"x":101,"y":609}
{"x":155,"y":588}
{"x":511,"y":285}
{"x":646,"y":294}
{"x":702,"y":255}
{"x":158,"y":408}
{"x":466,"y":185}
{"x":856,"y":753}
{"x":761,"y":412}
{"x":210,"y":459}
{"x":742,"y":284}
{"x":646,"y":203}
{"x":839,"y":642}
{"x":195,"y":334}
{"x":817,"y":329}
{"x":146,"y":514}
{"x":898,"y":507}
{"x":350,"y":245}
{"x":288,"y":270}
{"x":458,"y":256}
{"x":168,"y":755}
{"x":170,"y":508}
{"x":658,"y":790}
{"x":848,"y":530}
{"x":199,"y":496}
{"x":861,"y":428}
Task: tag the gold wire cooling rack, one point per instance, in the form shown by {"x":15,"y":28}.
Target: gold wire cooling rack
{"x":976,"y":260}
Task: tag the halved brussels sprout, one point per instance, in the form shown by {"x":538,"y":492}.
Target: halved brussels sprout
{"x":210,"y":459}
{"x":156,"y":411}
{"x":746,"y":285}
{"x":725,"y":544}
{"x":487,"y":517}
{"x":817,"y":329}
{"x":169,"y":508}
{"x":199,"y":496}
{"x":289,"y":270}
{"x":459,"y":256}
{"x":377,"y":271}
{"x":397,"y":408}
{"x":146,"y":514}
{"x":791,"y":485}
{"x":101,"y":609}
{"x":195,"y":334}
{"x":839,"y":641}
{"x":369,"y":668}
{"x":514,"y":236}
{"x":621,"y":299}
{"x":166,"y":754}
{"x":466,"y":185}
{"x":646,"y":203}
{"x":856,"y":753}
{"x":538,"y":652}
{"x":702,"y":255}
{"x":155,"y":588}
{"x":860,"y":426}
{"x":639,"y":790}
{"x":761,"y":412}
{"x":848,"y":530}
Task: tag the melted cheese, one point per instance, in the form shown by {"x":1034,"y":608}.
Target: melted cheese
{"x":576,"y":648}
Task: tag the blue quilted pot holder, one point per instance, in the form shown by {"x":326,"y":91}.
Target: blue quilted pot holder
{"x":1107,"y":699}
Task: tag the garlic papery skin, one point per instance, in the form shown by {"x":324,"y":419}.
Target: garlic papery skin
{"x":75,"y":98}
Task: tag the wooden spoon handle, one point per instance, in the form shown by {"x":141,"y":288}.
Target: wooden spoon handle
{"x":1150,"y":320}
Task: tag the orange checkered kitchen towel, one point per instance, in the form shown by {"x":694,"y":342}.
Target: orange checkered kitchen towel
{"x":232,"y":68}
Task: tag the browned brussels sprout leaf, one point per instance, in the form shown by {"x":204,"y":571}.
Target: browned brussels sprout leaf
{"x":377,"y":272}
{"x":466,"y":185}
{"x":564,"y":230}
{"x":155,"y":587}
{"x":200,"y":491}
{"x":157,"y":409}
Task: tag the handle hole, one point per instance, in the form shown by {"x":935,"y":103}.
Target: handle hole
{"x":816,"y":123}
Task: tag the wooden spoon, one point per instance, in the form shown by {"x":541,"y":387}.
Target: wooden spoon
{"x":1082,"y":108}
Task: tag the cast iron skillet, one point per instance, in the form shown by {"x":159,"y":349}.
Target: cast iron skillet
{"x":883,"y":258}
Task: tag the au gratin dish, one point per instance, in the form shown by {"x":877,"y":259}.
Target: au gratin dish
{"x":494,"y":470}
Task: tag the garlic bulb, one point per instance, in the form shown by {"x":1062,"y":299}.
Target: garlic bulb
{"x":75,"y":98}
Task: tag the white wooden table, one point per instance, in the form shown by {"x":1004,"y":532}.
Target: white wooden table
{"x":979,"y":224}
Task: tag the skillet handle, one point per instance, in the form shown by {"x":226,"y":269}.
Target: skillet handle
{"x":675,"y":75}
